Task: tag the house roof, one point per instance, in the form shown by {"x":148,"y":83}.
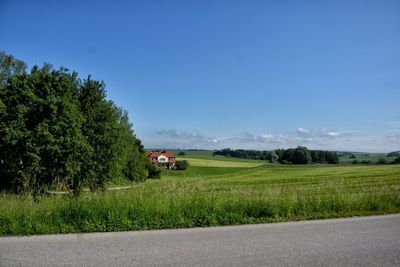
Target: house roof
{"x":155,"y":154}
{"x":168,"y":154}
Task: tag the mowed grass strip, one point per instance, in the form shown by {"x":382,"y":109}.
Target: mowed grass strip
{"x":208,"y":154}
{"x":220,"y":163}
{"x":200,"y":197}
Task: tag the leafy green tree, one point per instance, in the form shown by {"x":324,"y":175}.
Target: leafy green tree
{"x":41,"y":141}
{"x":331,"y":157}
{"x":154,"y":171}
{"x":10,"y":66}
{"x":394,"y":154}
{"x":102,"y":132}
{"x":271,"y":156}
{"x":54,"y":128}
{"x":299,"y":155}
{"x":132,"y":161}
{"x":320,"y":156}
{"x":381,"y":161}
{"x":181,"y":164}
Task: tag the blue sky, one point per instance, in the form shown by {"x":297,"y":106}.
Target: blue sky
{"x":239,"y":74}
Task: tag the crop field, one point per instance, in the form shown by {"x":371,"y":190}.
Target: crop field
{"x":221,"y":163}
{"x":213,"y":192}
{"x":208,"y":155}
{"x":345,"y":159}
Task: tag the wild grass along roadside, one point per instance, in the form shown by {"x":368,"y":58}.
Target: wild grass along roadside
{"x":248,"y":195}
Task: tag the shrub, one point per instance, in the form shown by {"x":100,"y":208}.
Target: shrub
{"x":181,"y":165}
{"x":181,"y":153}
{"x":355,"y":161}
{"x":154,"y":172}
{"x":381,"y":161}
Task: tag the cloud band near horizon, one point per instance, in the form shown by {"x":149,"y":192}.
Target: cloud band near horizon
{"x":324,"y":139}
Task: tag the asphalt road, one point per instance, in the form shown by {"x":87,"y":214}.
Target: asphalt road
{"x":365,"y":241}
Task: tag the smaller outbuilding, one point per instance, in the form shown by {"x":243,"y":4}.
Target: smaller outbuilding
{"x":164,"y":159}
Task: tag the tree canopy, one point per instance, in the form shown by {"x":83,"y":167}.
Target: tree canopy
{"x":56,"y":128}
{"x":299,"y":155}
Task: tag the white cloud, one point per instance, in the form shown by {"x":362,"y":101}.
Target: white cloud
{"x":332,"y":133}
{"x":394,"y":124}
{"x":303,"y":130}
{"x":267,"y":136}
{"x":179,"y":139}
{"x":393,"y":139}
{"x":323,"y":139}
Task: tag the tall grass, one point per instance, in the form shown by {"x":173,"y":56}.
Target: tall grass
{"x":265,"y":194}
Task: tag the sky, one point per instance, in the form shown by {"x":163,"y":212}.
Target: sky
{"x":239,"y":74}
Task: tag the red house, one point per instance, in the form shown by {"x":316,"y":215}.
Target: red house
{"x":163,"y":158}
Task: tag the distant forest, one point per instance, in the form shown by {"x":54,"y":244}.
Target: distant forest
{"x":299,"y":155}
{"x":394,"y":154}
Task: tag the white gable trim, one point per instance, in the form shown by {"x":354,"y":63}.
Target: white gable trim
{"x":162,"y":158}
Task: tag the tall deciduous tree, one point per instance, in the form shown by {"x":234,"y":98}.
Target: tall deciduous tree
{"x":55,"y":128}
{"x":133,"y":160}
{"x":41,"y":140}
{"x":101,"y":130}
{"x":10,"y":66}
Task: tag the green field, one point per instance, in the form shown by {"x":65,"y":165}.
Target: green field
{"x":198,"y":162}
{"x":207,"y":154}
{"x":213,"y":192}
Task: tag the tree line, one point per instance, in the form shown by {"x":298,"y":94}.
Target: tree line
{"x":394,"y":154}
{"x":56,"y":128}
{"x":299,"y":155}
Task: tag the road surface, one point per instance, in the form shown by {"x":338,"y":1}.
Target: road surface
{"x":364,"y":241}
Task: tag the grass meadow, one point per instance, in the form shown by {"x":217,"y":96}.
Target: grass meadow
{"x":213,"y":192}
